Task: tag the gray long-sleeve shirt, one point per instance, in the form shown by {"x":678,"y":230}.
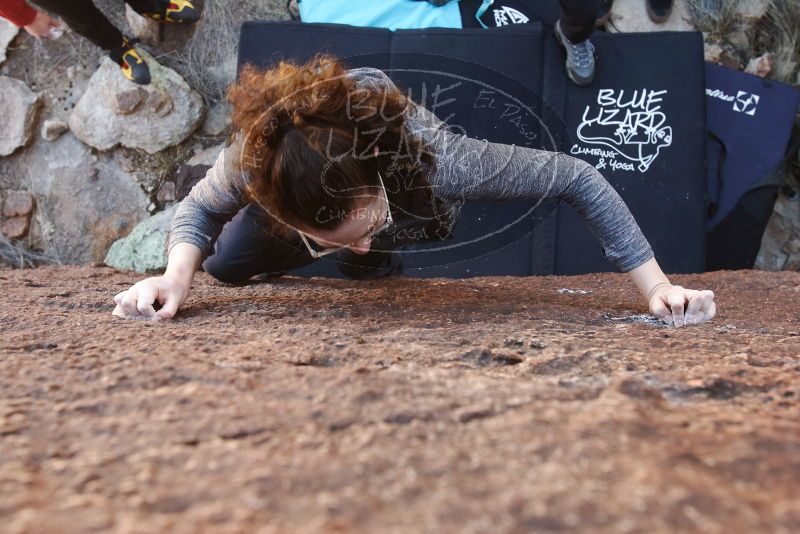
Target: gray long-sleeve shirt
{"x":466,"y":169}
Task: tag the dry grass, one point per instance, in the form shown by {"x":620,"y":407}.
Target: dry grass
{"x":18,"y":257}
{"x":715,"y":17}
{"x":779,"y":34}
{"x":208,"y":60}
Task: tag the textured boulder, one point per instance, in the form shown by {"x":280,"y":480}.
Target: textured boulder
{"x":84,"y":203}
{"x":631,"y":16}
{"x":217,"y":120}
{"x":780,"y":246}
{"x":144,"y":250}
{"x":7,"y":33}
{"x":18,"y":106}
{"x":115,"y":111}
{"x":485,"y":405}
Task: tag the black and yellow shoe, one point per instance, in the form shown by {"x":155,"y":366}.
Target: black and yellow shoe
{"x":174,"y":12}
{"x":133,"y":66}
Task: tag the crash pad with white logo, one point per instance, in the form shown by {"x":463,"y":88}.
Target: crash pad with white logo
{"x":641,"y":124}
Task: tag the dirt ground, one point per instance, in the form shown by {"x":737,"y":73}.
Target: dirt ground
{"x":482,"y":405}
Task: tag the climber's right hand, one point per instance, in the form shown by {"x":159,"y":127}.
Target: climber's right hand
{"x":138,"y":301}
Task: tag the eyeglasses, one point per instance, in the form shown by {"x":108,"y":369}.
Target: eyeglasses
{"x":371,"y":232}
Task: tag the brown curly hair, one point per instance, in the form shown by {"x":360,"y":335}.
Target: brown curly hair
{"x":308,"y":135}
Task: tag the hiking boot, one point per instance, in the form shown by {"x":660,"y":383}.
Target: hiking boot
{"x":173,"y":12}
{"x":133,"y":66}
{"x":603,"y":12}
{"x":580,"y":58}
{"x":659,"y":10}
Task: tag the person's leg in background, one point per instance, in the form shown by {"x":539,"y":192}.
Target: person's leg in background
{"x":573,"y":30}
{"x":83,"y":17}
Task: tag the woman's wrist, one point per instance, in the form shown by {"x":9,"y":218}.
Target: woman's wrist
{"x":184,"y":260}
{"x":648,"y":278}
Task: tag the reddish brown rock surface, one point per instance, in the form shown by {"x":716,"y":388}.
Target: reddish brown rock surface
{"x":484,"y":405}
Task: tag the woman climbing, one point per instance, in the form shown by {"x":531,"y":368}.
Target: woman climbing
{"x":334,"y":161}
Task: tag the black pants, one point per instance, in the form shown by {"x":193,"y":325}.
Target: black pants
{"x":577,"y":19}
{"x":245,"y":249}
{"x":83,"y":17}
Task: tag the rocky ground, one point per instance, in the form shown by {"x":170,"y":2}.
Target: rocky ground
{"x":483,"y":405}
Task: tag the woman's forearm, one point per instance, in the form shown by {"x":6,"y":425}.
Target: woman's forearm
{"x":647,"y":276}
{"x":184,"y":261}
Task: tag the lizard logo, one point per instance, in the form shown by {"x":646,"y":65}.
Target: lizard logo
{"x":634,"y":128}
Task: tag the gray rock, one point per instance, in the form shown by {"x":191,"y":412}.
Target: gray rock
{"x":217,"y":120}
{"x":144,"y":28}
{"x":7,"y":33}
{"x":53,"y":128}
{"x":631,"y":16}
{"x":207,"y":156}
{"x":84,"y":204}
{"x":780,"y":246}
{"x":18,"y":105}
{"x":168,"y":112}
{"x":144,"y":250}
